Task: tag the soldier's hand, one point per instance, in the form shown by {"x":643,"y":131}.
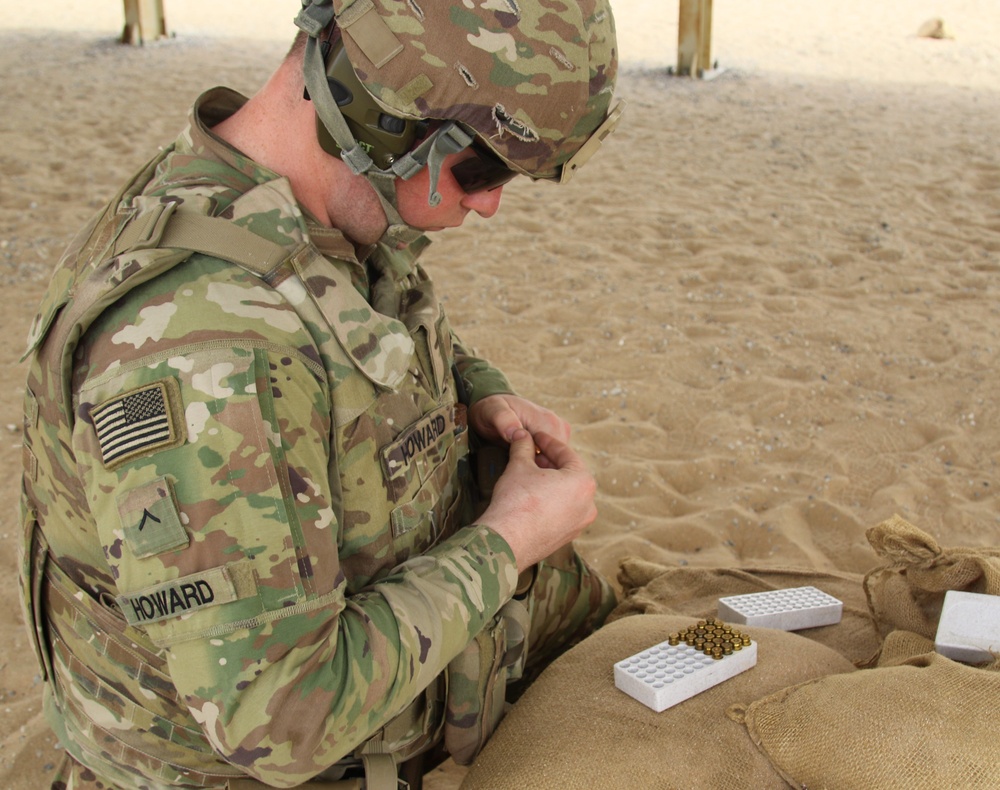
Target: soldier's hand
{"x":544,"y":498}
{"x":496,"y":417}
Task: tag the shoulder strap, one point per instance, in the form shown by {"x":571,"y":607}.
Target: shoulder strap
{"x":161,"y":235}
{"x":166,"y":226}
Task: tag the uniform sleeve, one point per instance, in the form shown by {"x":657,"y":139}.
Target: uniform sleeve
{"x":480,"y":378}
{"x":208,"y":474}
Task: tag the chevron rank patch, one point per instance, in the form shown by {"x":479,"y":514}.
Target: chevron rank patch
{"x":150,"y":519}
{"x":138,"y":422}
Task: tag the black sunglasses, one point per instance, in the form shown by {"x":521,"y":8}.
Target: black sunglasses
{"x":483,"y":172}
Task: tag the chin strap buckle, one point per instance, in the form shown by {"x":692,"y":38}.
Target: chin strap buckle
{"x":315,"y":16}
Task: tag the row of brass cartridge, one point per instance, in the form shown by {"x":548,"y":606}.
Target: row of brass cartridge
{"x":712,"y":637}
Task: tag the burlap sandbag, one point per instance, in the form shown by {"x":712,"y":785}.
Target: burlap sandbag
{"x":649,"y":588}
{"x":927,"y":722}
{"x":574,"y":729}
{"x":900,"y":646}
{"x":917,"y":720}
{"x":907,"y":592}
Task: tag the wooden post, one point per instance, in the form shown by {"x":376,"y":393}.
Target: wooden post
{"x":144,"y":21}
{"x":694,"y":37}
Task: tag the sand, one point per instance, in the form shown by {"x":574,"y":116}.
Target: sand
{"x":768,"y":307}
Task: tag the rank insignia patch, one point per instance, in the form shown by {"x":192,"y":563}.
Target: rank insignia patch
{"x":138,"y":422}
{"x":150,"y":519}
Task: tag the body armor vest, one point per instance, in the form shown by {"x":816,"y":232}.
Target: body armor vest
{"x":108,"y":695}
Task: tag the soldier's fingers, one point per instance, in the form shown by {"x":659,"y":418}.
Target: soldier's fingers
{"x":542,"y":461}
{"x":545,"y":421}
{"x":497,"y":418}
{"x":559,"y":454}
{"x":522,"y":446}
{"x":506,"y":422}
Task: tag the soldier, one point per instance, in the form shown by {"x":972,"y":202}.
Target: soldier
{"x":253,"y":552}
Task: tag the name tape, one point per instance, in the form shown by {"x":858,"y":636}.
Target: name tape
{"x":178,"y":597}
{"x":419,"y":440}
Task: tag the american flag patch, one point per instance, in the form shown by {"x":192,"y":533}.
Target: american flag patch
{"x":134,"y":423}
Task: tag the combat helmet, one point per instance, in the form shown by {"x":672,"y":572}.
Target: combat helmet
{"x":530,"y":82}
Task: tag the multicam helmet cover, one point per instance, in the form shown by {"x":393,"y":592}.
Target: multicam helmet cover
{"x":532,"y":80}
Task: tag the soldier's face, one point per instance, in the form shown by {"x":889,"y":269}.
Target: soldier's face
{"x":455,"y":203}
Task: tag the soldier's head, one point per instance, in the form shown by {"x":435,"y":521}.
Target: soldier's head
{"x":398,"y":85}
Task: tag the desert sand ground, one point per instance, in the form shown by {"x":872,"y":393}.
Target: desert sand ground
{"x":769,"y":307}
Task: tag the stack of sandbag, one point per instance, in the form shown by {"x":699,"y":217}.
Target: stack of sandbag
{"x":917,"y":720}
{"x":802,"y":716}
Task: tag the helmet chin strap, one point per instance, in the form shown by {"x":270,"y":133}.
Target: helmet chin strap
{"x":447,"y":139}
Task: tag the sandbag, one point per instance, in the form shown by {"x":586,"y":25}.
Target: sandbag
{"x":650,"y":588}
{"x":906,"y":593}
{"x":925,"y":723}
{"x":574,"y":729}
{"x":915,"y":720}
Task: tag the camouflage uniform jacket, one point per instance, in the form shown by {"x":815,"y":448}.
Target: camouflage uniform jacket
{"x":259,"y":469}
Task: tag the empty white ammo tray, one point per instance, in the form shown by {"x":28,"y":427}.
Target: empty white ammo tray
{"x":664,"y":675}
{"x":786,"y":610}
{"x":969,"y":628}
